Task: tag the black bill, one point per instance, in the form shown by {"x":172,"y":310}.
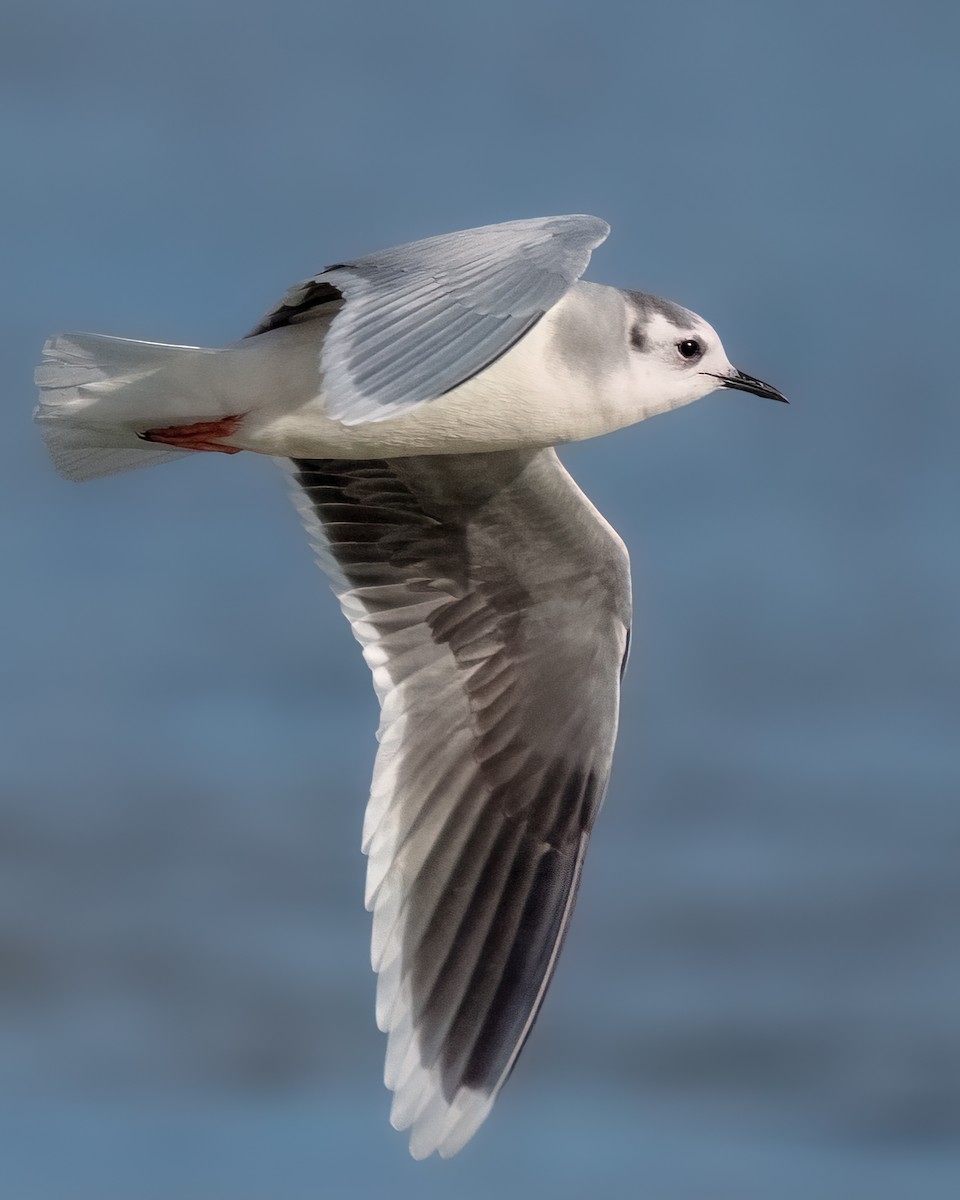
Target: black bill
{"x":747,"y":383}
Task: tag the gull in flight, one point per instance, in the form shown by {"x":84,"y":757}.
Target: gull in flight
{"x":416,"y":397}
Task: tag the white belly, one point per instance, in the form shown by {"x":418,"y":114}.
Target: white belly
{"x":520,"y":401}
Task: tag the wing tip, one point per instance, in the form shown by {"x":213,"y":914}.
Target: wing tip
{"x":444,"y":1126}
{"x":597,"y":226}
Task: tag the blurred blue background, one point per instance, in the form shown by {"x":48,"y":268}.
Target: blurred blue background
{"x":760,"y":995}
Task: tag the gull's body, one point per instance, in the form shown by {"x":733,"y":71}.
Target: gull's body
{"x":418,"y":395}
{"x":565,"y":398}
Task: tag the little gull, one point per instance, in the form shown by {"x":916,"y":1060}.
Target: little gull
{"x":416,"y":396}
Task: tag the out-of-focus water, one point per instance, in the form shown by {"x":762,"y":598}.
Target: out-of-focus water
{"x":760,"y":993}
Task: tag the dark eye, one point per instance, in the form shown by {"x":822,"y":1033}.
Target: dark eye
{"x":689,"y":348}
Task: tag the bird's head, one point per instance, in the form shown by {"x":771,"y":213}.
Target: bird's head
{"x":676,"y":357}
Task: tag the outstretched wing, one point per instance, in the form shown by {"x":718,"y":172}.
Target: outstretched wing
{"x":418,"y":320}
{"x":492,"y":601}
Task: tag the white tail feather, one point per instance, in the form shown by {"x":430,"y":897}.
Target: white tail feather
{"x":98,"y":393}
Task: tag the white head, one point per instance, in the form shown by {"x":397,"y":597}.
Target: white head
{"x":674,"y":356}
{"x":634,"y":356}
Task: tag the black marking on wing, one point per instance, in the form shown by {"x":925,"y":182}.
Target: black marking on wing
{"x":315,"y":294}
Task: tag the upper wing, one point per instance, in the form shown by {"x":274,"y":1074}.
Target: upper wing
{"x":418,"y":320}
{"x":492,"y":602}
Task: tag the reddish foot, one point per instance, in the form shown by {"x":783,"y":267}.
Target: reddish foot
{"x":202,"y":435}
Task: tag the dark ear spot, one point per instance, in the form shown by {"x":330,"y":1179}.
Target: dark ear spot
{"x":637,"y":340}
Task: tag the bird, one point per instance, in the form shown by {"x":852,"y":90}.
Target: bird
{"x":416,"y":397}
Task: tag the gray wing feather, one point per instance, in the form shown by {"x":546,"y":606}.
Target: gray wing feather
{"x":492,"y":602}
{"x":420,"y":319}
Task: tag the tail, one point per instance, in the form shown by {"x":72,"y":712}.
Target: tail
{"x":97,"y":394}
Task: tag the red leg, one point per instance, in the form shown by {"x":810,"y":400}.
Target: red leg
{"x":201,"y":435}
